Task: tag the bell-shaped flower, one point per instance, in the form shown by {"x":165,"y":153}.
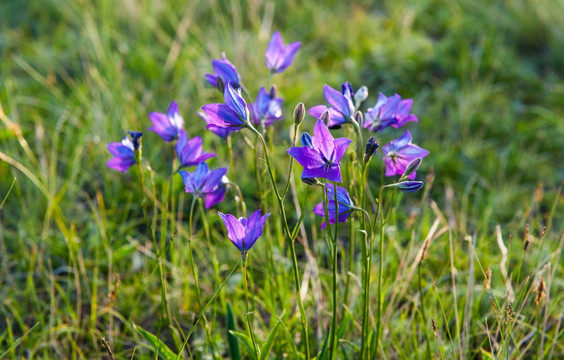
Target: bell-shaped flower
{"x":202,"y":181}
{"x":267,"y":108}
{"x":233,"y":115}
{"x":189,"y":152}
{"x":389,"y":111}
{"x":243,"y":232}
{"x":124,"y":152}
{"x":321,"y":155}
{"x":280,"y":56}
{"x":344,"y":206}
{"x":342,"y":106}
{"x":221,"y":132}
{"x":168,"y":125}
{"x":226,"y":71}
{"x":399,"y":153}
{"x":217,"y":194}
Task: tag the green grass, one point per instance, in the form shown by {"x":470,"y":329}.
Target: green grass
{"x":76,"y":258}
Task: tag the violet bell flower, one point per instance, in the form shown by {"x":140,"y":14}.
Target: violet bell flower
{"x":342,"y":106}
{"x":189,"y":152}
{"x":126,"y":152}
{"x":267,"y":108}
{"x":217,"y":194}
{"x":202,"y":181}
{"x":233,"y":115}
{"x":226,"y":71}
{"x":221,"y":132}
{"x":168,"y":125}
{"x":399,"y":153}
{"x":243,"y":232}
{"x":344,"y":208}
{"x":321,"y":154}
{"x":389,"y":111}
{"x":280,"y":56}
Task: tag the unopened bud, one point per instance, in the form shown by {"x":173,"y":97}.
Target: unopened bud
{"x":412,"y":167}
{"x":299,"y":113}
{"x":273,"y":91}
{"x":326,"y":118}
{"x":371,"y":147}
{"x":359,"y":118}
{"x":360,"y":95}
{"x":306,"y":140}
{"x":410,"y":186}
{"x":220,"y":84}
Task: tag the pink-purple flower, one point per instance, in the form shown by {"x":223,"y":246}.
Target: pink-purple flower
{"x":344,"y":208}
{"x":202,"y":181}
{"x":342,"y":106}
{"x":233,"y":115}
{"x":226,"y":71}
{"x":267,"y":108}
{"x":244,"y":232}
{"x":321,"y":154}
{"x":189,"y":152}
{"x":389,"y":111}
{"x":221,"y":132}
{"x":280,"y":56}
{"x":124,"y":152}
{"x":168,"y":125}
{"x":399,"y":153}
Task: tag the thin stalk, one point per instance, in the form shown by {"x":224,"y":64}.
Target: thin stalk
{"x":287,"y":187}
{"x":248,"y":315}
{"x":423,"y":316}
{"x":380,"y":269}
{"x":192,"y":263}
{"x":230,"y":151}
{"x":332,"y":350}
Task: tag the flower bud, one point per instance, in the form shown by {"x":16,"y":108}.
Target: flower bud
{"x":359,"y":118}
{"x":299,"y":113}
{"x":412,"y":167}
{"x":312,"y":181}
{"x":410,"y":186}
{"x":360,"y":95}
{"x":273,"y":92}
{"x":371,"y":147}
{"x":306,"y":140}
{"x":326,"y":118}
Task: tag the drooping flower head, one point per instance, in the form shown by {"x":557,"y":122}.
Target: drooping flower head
{"x":267,"y":108}
{"x":342,"y":106}
{"x":226,"y":71}
{"x":189,"y":152}
{"x":389,"y":111}
{"x":233,"y":115}
{"x":168,"y":125}
{"x":124,"y":152}
{"x":344,"y":208}
{"x":202,"y":181}
{"x":280,"y":56}
{"x":221,"y":132}
{"x":321,"y":154}
{"x":399,"y":153}
{"x":243,"y":232}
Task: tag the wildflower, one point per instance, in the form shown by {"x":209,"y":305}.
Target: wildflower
{"x":217,"y":194}
{"x":342,"y":106}
{"x":221,"y":132}
{"x":344,"y":208}
{"x":410,"y":186}
{"x":243,"y":232}
{"x":389,"y":111}
{"x":168,"y":125}
{"x":233,"y":115}
{"x":202,"y":181}
{"x":371,"y":147}
{"x":189,"y":152}
{"x":321,"y":154}
{"x":125,"y":152}
{"x":399,"y":153}
{"x":280,"y":56}
{"x":267,"y":108}
{"x":225,"y":71}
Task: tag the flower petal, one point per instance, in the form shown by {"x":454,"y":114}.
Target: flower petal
{"x":337,"y":100}
{"x":235,"y":230}
{"x":306,"y":156}
{"x":323,"y":140}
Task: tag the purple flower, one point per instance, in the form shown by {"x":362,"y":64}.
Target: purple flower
{"x":323,"y":157}
{"x":243,"y":232}
{"x":342,"y":106}
{"x":278,"y":56}
{"x":345,"y":204}
{"x":168,"y":125}
{"x":124,"y":152}
{"x":202,"y":181}
{"x":392,"y":111}
{"x":226,"y":71}
{"x":233,"y":115}
{"x":189,"y":152}
{"x":399,"y":153}
{"x":267,"y":108}
{"x":221,"y":132}
{"x":218,"y":194}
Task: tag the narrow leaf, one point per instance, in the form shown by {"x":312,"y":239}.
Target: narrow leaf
{"x":163,"y":350}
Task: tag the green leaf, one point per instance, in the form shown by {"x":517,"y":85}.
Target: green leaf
{"x":265,"y":349}
{"x":245,"y":339}
{"x":163,"y":350}
{"x":487,"y":354}
{"x":232,"y":340}
{"x":19,"y":340}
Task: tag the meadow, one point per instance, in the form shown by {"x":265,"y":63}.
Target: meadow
{"x":98,"y":264}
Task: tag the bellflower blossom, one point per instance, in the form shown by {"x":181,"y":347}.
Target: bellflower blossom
{"x":243,"y":232}
{"x":217,"y":194}
{"x":124,"y":152}
{"x":399,"y":153}
{"x":189,"y":152}
{"x":345,"y":204}
{"x":221,"y":132}
{"x":202,"y":181}
{"x":321,"y":154}
{"x":389,"y":111}
{"x":168,"y":125}
{"x":226,"y":71}
{"x":233,"y":115}
{"x":280,"y":56}
{"x":267,"y":108}
{"x":342,"y":106}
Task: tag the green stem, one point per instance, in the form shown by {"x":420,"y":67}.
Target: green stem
{"x":192,"y":263}
{"x":248,"y":315}
{"x":287,"y":187}
{"x":332,"y":349}
{"x":380,"y":268}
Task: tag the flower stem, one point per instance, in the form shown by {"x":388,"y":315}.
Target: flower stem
{"x":248,"y":315}
{"x":380,"y":269}
{"x":332,"y":335}
{"x":192,"y":263}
